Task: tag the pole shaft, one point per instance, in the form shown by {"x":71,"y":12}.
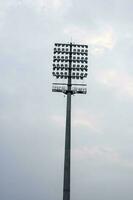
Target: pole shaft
{"x":67,"y":160}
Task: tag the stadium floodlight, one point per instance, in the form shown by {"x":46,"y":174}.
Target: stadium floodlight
{"x":70,"y":61}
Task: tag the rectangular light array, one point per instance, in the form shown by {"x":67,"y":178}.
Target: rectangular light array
{"x":74,"y":90}
{"x":79,"y":60}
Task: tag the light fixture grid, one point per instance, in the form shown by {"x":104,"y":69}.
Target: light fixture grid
{"x":79,"y":60}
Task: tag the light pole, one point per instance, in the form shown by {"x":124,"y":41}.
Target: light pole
{"x":69,"y":63}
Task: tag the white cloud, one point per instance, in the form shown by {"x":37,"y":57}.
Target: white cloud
{"x":80,"y":120}
{"x":121,"y":82}
{"x":99,"y":41}
{"x":41,"y":6}
{"x":96,"y":152}
{"x":89,"y":122}
{"x":101,"y":153}
{"x":58,"y":120}
{"x":49,"y":5}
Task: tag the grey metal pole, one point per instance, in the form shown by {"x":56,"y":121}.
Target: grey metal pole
{"x":67,"y":160}
{"x":78,"y":70}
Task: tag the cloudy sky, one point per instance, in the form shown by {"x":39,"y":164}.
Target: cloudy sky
{"x":32,"y":118}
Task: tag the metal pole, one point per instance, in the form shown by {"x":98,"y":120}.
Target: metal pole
{"x":67,"y":160}
{"x":75,"y":71}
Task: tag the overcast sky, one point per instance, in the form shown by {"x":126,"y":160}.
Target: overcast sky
{"x":32,"y":118}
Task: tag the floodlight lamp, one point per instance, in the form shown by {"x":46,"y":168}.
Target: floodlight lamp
{"x":86,"y":46}
{"x":85,"y":75}
{"x":85,"y":67}
{"x":86,"y":51}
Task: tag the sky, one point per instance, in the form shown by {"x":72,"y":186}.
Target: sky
{"x":32,"y":118}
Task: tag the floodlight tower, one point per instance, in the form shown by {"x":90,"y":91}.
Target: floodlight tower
{"x":70,"y":61}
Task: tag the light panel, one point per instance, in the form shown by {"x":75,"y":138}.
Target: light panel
{"x":79,"y":90}
{"x":78,"y":59}
{"x":76,"y":48}
{"x":74,"y":90}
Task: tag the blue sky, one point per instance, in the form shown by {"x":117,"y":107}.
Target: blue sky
{"x":32,"y":119}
